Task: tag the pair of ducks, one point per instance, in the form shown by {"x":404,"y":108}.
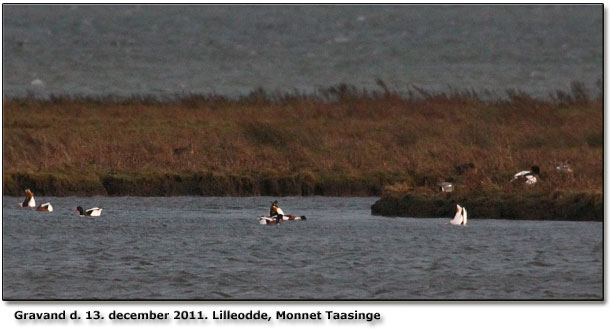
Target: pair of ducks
{"x":527,"y":176}
{"x":30,"y":202}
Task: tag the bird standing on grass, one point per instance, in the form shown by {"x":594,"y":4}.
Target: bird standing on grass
{"x":529,"y":176}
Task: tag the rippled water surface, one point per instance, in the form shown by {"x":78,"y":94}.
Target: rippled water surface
{"x":231,"y":50}
{"x":214,"y":248}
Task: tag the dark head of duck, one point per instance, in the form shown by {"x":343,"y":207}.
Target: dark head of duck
{"x":273,"y":209}
{"x":80,"y":210}
{"x":536,"y":170}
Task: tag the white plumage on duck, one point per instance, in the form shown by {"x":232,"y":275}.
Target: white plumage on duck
{"x":45,"y":207}
{"x":29,"y":199}
{"x":461,"y":216}
{"x":93,"y":212}
{"x":529,"y":176}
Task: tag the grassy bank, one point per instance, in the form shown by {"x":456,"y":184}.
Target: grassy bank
{"x":338,"y":141}
{"x":195,"y":183}
{"x":531,"y":204}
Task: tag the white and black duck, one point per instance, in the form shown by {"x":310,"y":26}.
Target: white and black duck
{"x":45,"y":207}
{"x":530,"y":177}
{"x":92,"y":212}
{"x":29,"y":200}
{"x":276,"y":216}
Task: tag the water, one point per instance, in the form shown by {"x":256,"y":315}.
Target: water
{"x":231,"y":50}
{"x":214,"y":248}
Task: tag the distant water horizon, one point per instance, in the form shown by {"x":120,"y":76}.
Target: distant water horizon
{"x":125,"y":50}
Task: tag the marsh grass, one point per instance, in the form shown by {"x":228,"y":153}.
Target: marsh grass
{"x":337,"y":140}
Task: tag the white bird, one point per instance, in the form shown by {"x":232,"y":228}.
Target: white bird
{"x":461,"y":216}
{"x":93,"y":212}
{"x":45,"y":207}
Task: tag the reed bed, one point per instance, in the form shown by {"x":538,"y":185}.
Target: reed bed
{"x":324,"y":142}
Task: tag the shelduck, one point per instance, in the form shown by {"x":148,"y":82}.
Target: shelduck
{"x":272,"y":220}
{"x":275,"y":210}
{"x":529,"y":176}
{"x":461,"y":216}
{"x":446,"y":187}
{"x":45,"y":207}
{"x":93,"y":212}
{"x":29,"y":199}
{"x":276,"y":216}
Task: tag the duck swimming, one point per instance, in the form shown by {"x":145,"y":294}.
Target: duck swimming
{"x":275,"y":210}
{"x":276,"y":216}
{"x":45,"y":207}
{"x":93,"y":212}
{"x":29,"y":199}
{"x":461,"y":216}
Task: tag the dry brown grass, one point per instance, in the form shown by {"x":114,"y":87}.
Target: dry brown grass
{"x":340,"y":130}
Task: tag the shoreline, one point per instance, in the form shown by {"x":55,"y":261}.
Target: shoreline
{"x":522,"y":204}
{"x":339,"y":141}
{"x":197,"y":183}
{"x":555,"y":206}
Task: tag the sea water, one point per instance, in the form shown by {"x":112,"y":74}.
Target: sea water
{"x":215,"y":248}
{"x":231,"y":50}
